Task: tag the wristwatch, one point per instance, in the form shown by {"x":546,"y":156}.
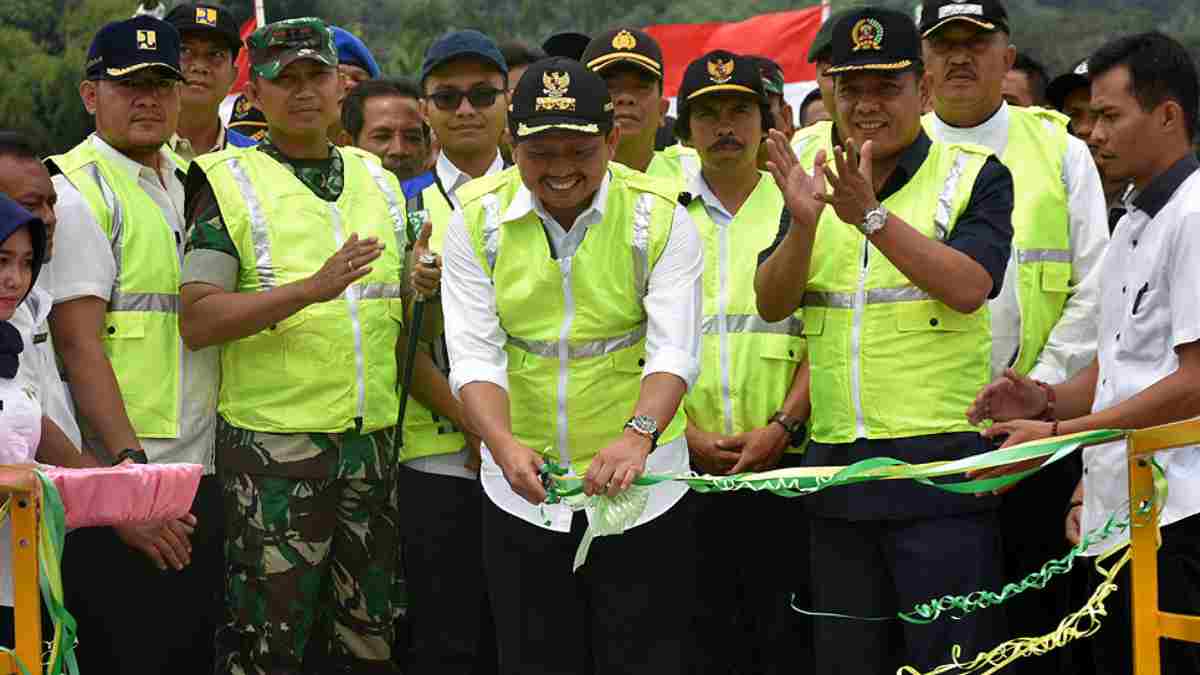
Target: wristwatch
{"x":874,"y":220}
{"x":793,"y":426}
{"x":645,"y":425}
{"x":138,"y":456}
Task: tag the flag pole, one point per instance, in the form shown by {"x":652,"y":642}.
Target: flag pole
{"x":260,"y":14}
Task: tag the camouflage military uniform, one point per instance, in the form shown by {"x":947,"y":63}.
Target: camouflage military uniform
{"x":312,"y":539}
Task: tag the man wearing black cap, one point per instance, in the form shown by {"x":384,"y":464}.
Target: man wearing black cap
{"x":572,"y":291}
{"x":140,"y":394}
{"x":210,"y":44}
{"x":1044,"y":320}
{"x":631,"y":64}
{"x":893,"y":264}
{"x":810,"y":139}
{"x":748,"y":408}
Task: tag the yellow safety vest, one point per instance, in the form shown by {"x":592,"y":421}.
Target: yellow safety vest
{"x":810,"y":140}
{"x":141,"y":323}
{"x":1041,"y":246}
{"x":888,"y":360}
{"x":748,"y":362}
{"x":576,"y":326}
{"x":332,"y":365}
{"x":678,"y":164}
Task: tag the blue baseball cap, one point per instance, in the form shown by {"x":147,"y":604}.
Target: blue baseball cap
{"x":462,"y":44}
{"x":123,"y":48}
{"x":353,"y":51}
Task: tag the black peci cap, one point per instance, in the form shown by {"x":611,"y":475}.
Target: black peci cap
{"x":559,"y":94}
{"x":874,"y":39}
{"x":989,"y":15}
{"x":205,"y":18}
{"x":123,"y":48}
{"x":624,"y":45}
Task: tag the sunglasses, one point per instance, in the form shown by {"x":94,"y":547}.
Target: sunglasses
{"x":450,"y":99}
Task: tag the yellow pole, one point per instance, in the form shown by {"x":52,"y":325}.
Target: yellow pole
{"x":25,"y":509}
{"x":1143,"y":567}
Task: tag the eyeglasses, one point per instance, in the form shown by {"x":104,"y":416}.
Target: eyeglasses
{"x":451,"y":99}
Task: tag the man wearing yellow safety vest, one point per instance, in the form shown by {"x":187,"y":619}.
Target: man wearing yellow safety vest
{"x":893,"y":268}
{"x":750,"y":404}
{"x":572,"y":300}
{"x":140,"y":394}
{"x":631,"y":63}
{"x":293,"y":267}
{"x":1044,"y":321}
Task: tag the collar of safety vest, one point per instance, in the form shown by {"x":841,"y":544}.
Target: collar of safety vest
{"x":911,"y":159}
{"x":698,"y":187}
{"x":524,"y":202}
{"x":134,"y":169}
{"x":1160,"y":190}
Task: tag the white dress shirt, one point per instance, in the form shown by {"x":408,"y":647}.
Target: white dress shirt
{"x":39,"y":369}
{"x":452,"y":179}
{"x":1071,"y":346}
{"x":83,"y":265}
{"x":673,"y":304}
{"x":20,"y":434}
{"x":1151,"y":266}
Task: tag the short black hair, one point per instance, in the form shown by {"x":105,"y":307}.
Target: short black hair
{"x":1036,"y":72}
{"x":812,"y":97}
{"x":355,"y":106}
{"x":517,"y":53}
{"x":683,"y":129}
{"x":17,"y":144}
{"x":1159,"y":69}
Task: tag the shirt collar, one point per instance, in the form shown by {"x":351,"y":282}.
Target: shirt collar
{"x":1160,"y":190}
{"x":911,"y":159}
{"x":700,"y":189}
{"x":525,"y":202}
{"x":991,"y":133}
{"x":134,"y":169}
{"x":177,"y":142}
{"x":452,"y":178}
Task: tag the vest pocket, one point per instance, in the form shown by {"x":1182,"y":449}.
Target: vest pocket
{"x":929,"y":315}
{"x":1056,"y":277}
{"x":814,"y":320}
{"x":791,"y":349}
{"x":632,"y":360}
{"x":124,"y":326}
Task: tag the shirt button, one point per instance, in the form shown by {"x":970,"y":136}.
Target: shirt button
{"x":1135,"y":243}
{"x":1123,"y":290}
{"x":1118,"y":336}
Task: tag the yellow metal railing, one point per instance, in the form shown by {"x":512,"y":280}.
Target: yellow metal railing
{"x":1151,"y":625}
{"x":24,"y":492}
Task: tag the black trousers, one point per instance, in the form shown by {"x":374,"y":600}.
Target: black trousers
{"x":627,"y":610}
{"x":752,"y":560}
{"x":1178,"y":591}
{"x":133,"y":618}
{"x":878,"y":567}
{"x":449,"y":618}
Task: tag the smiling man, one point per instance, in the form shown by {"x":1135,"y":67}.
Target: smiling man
{"x":572,"y":298}
{"x":210,"y":45}
{"x":893,"y":267}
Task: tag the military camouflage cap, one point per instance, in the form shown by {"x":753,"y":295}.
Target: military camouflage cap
{"x":278,"y":44}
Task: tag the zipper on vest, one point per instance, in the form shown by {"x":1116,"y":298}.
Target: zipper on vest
{"x":723,"y":323}
{"x":351,"y":295}
{"x":564,"y":362}
{"x":860,"y":302}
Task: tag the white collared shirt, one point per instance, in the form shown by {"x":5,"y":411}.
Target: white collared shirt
{"x":452,"y":178}
{"x":39,"y":369}
{"x":673,"y":304}
{"x":1153,"y":265}
{"x":20,"y":434}
{"x":83,"y":265}
{"x":1071,"y":346}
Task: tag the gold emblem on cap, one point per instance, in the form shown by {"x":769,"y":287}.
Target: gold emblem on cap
{"x":720,"y":71}
{"x":867,"y":34}
{"x":206,"y":16}
{"x":147,"y":39}
{"x":624,"y":41}
{"x":555,"y":85}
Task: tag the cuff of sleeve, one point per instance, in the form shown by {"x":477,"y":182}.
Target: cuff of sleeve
{"x":674,"y":361}
{"x":1046,"y":373}
{"x":466,"y":372}
{"x":67,"y":292}
{"x":210,"y":267}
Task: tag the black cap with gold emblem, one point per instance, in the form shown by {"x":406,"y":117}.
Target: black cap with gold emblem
{"x":721,"y":71}
{"x":875,"y":39}
{"x":123,"y":48}
{"x":560,"y":94}
{"x":629,"y":46}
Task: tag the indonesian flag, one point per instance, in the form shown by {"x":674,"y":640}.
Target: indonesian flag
{"x":243,"y":70}
{"x":783,"y":37}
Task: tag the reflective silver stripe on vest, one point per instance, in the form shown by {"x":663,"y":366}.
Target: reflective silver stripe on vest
{"x":875,"y":296}
{"x":378,"y":290}
{"x":1037,"y":255}
{"x":393,"y":204}
{"x":116,"y":225}
{"x":641,"y":242}
{"x":752,"y":323}
{"x":258,"y":227}
{"x":580,"y":349}
{"x":941,"y":217}
{"x":165,"y":303}
{"x":491,"y":228}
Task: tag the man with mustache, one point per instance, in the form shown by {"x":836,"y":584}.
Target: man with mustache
{"x":572,"y":299}
{"x":383,"y":117}
{"x":210,"y":45}
{"x":140,"y":394}
{"x":893,"y":264}
{"x":747,"y":411}
{"x":1044,"y":321}
{"x":293,"y":267}
{"x":631,"y":63}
